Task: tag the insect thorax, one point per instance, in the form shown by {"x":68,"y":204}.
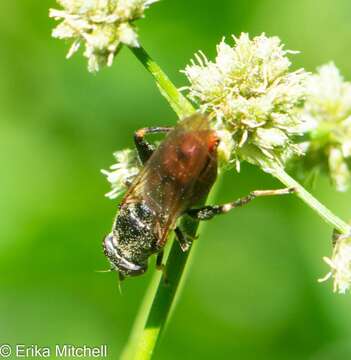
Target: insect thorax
{"x":135,"y":229}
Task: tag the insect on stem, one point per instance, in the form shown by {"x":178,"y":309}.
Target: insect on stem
{"x":179,"y":173}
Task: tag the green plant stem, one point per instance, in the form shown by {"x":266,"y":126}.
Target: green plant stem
{"x":311,"y":201}
{"x":179,"y":103}
{"x":160,"y":298}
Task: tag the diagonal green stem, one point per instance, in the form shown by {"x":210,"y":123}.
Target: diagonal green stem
{"x":179,"y":103}
{"x":311,"y":201}
{"x":160,"y":299}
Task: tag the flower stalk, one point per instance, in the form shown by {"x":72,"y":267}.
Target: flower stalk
{"x":160,"y":300}
{"x":330,"y":218}
{"x":160,"y":297}
{"x":176,"y":100}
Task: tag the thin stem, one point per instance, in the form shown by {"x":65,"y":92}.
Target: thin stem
{"x":311,"y":201}
{"x":160,"y":299}
{"x":178,"y":102}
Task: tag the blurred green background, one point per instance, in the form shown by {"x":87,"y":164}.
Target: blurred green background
{"x":251,"y":292}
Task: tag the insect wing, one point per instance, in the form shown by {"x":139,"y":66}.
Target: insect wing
{"x":178,"y":173}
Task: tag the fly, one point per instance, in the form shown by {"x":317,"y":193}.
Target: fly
{"x":174,"y":178}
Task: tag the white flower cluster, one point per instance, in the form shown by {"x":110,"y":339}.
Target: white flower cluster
{"x":103,"y":25}
{"x":122,"y":173}
{"x":340,"y":265}
{"x":253,"y":98}
{"x":329,"y":106}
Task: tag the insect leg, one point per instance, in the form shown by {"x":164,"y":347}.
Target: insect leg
{"x":182,"y":239}
{"x":121,"y":277}
{"x":144,"y":148}
{"x":337,"y":236}
{"x":160,"y":266}
{"x":208,"y":212}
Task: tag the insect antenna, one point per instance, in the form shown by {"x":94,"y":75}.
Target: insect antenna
{"x":104,"y":271}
